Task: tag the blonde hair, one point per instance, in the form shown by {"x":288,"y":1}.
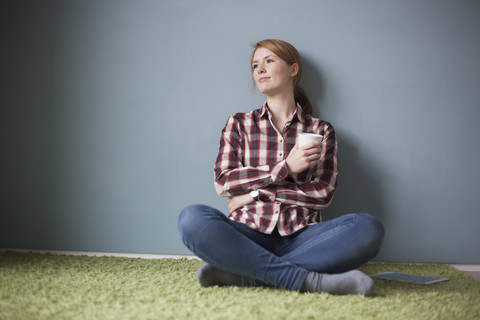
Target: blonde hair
{"x":290,"y":55}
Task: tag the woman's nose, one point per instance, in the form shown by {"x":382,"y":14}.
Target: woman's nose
{"x":260,"y":69}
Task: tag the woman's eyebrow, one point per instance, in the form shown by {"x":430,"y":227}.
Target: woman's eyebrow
{"x":266,"y":57}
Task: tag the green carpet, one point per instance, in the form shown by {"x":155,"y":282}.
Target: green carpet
{"x":37,"y":286}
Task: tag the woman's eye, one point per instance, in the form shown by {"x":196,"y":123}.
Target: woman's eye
{"x":254,"y":66}
{"x":269,"y":60}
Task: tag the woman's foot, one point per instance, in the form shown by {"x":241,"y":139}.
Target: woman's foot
{"x":208,"y":276}
{"x":351,"y":282}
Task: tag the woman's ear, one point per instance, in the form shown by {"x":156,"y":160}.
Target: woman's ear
{"x":294,"y":70}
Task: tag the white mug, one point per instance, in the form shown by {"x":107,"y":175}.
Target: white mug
{"x":306,"y":138}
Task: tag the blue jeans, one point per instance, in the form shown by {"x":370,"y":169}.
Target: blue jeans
{"x":332,"y":246}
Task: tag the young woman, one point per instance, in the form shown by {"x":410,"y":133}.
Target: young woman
{"x":274,"y":235}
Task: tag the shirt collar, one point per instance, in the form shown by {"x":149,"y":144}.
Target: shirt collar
{"x":299,"y":113}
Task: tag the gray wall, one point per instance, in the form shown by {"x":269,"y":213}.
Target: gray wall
{"x":111,"y":113}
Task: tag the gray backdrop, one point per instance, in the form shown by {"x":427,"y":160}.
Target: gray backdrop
{"x":111,"y":113}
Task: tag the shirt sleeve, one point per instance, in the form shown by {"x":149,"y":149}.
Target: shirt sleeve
{"x":315,"y":187}
{"x":232,"y":177}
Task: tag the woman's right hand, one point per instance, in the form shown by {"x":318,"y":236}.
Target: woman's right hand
{"x":304,"y":157}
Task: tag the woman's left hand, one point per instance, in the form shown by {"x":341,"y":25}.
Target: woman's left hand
{"x":239,"y":201}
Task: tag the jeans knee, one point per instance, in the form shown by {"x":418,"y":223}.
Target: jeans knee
{"x":377,"y":227}
{"x":187,"y":217}
{"x":374,"y":229}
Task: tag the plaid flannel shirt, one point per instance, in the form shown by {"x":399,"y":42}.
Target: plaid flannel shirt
{"x":252,"y":156}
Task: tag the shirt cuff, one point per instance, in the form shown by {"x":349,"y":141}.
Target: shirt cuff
{"x":279,"y":171}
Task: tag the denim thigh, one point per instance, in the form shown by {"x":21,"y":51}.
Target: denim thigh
{"x":336,"y":245}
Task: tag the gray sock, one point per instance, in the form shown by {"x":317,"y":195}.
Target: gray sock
{"x":351,"y":282}
{"x":208,"y":276}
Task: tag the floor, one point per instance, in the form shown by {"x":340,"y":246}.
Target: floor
{"x":474,"y":275}
{"x":472,"y":270}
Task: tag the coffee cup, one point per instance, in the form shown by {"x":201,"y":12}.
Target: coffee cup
{"x":306,"y":138}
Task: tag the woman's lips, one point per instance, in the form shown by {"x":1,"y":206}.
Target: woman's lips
{"x":263,"y":79}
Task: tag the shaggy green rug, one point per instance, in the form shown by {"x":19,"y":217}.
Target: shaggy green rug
{"x":38,"y":286}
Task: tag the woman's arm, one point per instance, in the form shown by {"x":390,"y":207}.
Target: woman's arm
{"x":312,"y":185}
{"x":299,"y":160}
{"x":232,"y":177}
{"x":312,"y":188}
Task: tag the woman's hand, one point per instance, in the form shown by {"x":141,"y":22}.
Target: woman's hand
{"x":239,"y":201}
{"x":304,"y":157}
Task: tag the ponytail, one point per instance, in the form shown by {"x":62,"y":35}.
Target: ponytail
{"x":302,"y":99}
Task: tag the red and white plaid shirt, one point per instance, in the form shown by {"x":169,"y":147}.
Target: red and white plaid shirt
{"x":252,"y":156}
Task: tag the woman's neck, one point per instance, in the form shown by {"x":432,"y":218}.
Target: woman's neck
{"x":282,"y":107}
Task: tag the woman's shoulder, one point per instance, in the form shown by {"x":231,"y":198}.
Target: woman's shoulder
{"x":241,"y":120}
{"x":244,"y":116}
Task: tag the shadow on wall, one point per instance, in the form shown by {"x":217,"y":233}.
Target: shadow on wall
{"x":359,"y":188}
{"x":29,"y":116}
{"x":313,"y":83}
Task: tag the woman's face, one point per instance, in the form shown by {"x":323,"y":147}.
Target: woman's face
{"x":272,"y":74}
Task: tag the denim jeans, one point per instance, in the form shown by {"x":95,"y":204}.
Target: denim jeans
{"x":332,"y":246}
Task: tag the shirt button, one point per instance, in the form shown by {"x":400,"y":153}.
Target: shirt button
{"x":280,"y":154}
{"x":281,"y":140}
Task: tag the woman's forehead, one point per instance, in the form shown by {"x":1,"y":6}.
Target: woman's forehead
{"x":262,"y":53}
